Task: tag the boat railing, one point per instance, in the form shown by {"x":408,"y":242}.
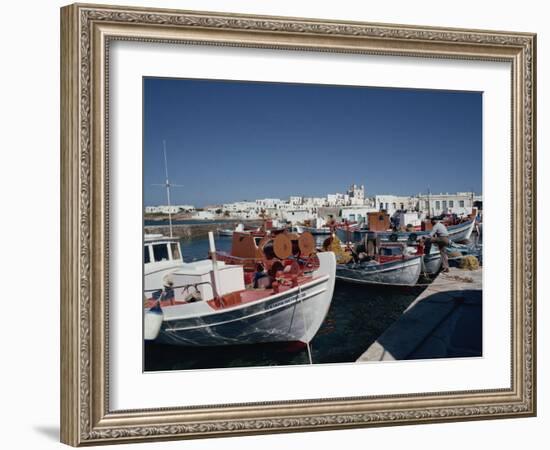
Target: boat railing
{"x":168,"y":291}
{"x":178,"y":287}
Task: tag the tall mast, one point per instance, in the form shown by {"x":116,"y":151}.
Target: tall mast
{"x":167,"y":182}
{"x":168,"y":185}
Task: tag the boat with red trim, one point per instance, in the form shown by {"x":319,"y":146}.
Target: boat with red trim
{"x":272,"y":287}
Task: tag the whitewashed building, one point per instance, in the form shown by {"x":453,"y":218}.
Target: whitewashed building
{"x":295,"y":200}
{"x":355,"y":213}
{"x":239,"y":206}
{"x":268,"y":202}
{"x":337,"y":199}
{"x":393,"y":203}
{"x":295,"y":216}
{"x":251,"y":214}
{"x":356,"y":195}
{"x":408,"y":218}
{"x":313,"y":201}
{"x":204,"y":215}
{"x":460,"y":203}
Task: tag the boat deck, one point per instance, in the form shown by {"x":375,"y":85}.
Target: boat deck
{"x":251,"y":295}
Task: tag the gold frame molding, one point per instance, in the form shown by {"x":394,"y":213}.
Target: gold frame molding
{"x":86,"y":31}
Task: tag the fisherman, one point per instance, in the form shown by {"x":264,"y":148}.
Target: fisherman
{"x":359,"y":252}
{"x":331,"y":223}
{"x":440,"y":236}
{"x":259,"y":275}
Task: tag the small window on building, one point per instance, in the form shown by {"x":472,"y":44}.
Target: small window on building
{"x":461,"y":203}
{"x":444,"y":204}
{"x":160,"y":252}
{"x":437,"y":204}
{"x":146,"y":257}
{"x":427,"y":204}
{"x":175,"y":251}
{"x":451,"y":204}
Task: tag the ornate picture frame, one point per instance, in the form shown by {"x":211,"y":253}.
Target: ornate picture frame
{"x":86,"y":34}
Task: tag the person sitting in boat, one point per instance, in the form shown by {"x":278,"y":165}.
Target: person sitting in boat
{"x":261,"y":277}
{"x":439,"y":236}
{"x":362,"y":251}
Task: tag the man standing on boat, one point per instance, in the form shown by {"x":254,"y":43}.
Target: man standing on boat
{"x":440,"y":236}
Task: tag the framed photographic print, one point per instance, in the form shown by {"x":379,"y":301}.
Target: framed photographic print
{"x":292,"y":224}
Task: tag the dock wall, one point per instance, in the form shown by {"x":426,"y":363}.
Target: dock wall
{"x":444,"y":321}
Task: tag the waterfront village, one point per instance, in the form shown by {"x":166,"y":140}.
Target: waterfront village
{"x":251,"y":283}
{"x":353,"y":206}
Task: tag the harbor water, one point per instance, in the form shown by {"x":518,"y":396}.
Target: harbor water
{"x":357,"y":316}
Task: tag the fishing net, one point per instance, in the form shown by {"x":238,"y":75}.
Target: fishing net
{"x":335,"y":246}
{"x":469,"y":262}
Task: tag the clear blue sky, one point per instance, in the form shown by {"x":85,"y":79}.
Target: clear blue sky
{"x":229,"y":141}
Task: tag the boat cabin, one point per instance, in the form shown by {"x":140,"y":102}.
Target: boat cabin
{"x":158,"y":248}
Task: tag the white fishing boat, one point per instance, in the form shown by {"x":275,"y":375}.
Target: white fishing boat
{"x":398,"y":272}
{"x":229,"y":231}
{"x":457,"y":233}
{"x":431,"y":257}
{"x":316,"y":231}
{"x":161,"y":256}
{"x":216,"y":302}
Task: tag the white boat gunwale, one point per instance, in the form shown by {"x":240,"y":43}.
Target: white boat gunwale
{"x":212,"y":312}
{"x":384,"y":267}
{"x":240,"y":318}
{"x":371,"y":274}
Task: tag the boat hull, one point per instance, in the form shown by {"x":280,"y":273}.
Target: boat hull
{"x":431,"y":263}
{"x":401,"y":272}
{"x":317,"y":231}
{"x":293,"y":315}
